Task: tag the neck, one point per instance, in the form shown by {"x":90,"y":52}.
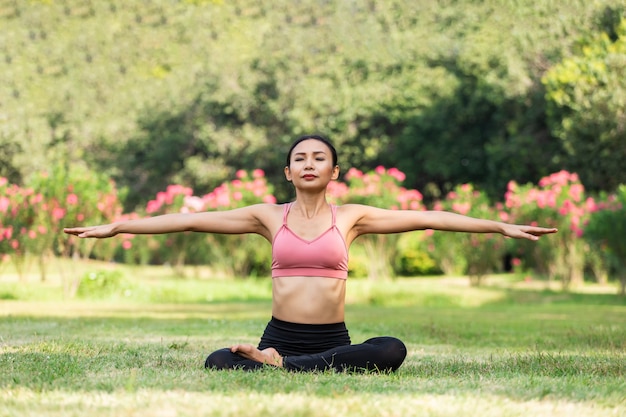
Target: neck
{"x":310,"y":205}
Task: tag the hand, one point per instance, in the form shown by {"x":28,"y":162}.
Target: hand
{"x":526,"y":232}
{"x":100,"y":232}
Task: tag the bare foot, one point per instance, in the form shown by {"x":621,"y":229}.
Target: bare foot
{"x":269,"y":356}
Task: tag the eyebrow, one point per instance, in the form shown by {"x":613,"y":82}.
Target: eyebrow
{"x":304,"y":153}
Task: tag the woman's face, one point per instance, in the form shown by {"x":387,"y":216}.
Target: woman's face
{"x":311,"y":165}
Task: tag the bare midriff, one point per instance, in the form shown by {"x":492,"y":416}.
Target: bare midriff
{"x":309,"y":300}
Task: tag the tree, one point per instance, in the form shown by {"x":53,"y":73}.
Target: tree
{"x":586,"y":96}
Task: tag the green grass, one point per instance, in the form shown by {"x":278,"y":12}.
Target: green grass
{"x":509,"y":349}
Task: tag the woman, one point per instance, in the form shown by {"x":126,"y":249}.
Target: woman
{"x":310,"y":240}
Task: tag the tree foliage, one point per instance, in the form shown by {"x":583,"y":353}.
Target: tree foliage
{"x":586,"y":96}
{"x":158,"y":92}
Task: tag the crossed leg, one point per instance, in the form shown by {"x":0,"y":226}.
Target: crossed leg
{"x":376,"y":354}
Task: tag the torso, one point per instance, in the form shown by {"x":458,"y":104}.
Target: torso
{"x":308,"y":299}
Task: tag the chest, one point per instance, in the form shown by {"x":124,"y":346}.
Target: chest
{"x":308,"y":228}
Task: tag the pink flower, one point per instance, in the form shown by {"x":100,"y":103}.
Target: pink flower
{"x":223,"y":200}
{"x":269,"y":199}
{"x":32,"y":234}
{"x":591,"y":205}
{"x":461,"y":208}
{"x":4,"y":204}
{"x":72,"y":199}
{"x":153,"y":206}
{"x":36,"y":199}
{"x":414,"y":205}
{"x":161,"y":197}
{"x":127,"y":244}
{"x":504,"y":216}
{"x":80,"y":217}
{"x":15,"y":244}
{"x":576,"y":191}
{"x":380,"y":170}
{"x":237,"y":196}
{"x":258,"y":173}
{"x":194,"y":203}
{"x":58,"y":213}
{"x":337,"y":189}
{"x":3,"y":181}
{"x":516,"y":261}
{"x":353,"y":173}
{"x":397,"y":174}
{"x":241,"y":174}
{"x":511,"y":186}
{"x":42,"y":230}
{"x":566,"y":208}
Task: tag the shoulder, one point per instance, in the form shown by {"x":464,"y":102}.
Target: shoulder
{"x":265,"y":209}
{"x":355,"y":210}
{"x":351,"y":214}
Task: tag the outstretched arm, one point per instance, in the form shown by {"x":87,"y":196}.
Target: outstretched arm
{"x":249,"y":219}
{"x":375,"y":220}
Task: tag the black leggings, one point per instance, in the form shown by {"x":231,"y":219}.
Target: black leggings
{"x":317,"y":347}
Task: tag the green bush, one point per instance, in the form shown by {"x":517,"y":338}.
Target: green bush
{"x":413,"y":258}
{"x":103,"y":284}
{"x":606,"y":228}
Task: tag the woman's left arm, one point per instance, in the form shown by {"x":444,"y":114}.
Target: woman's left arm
{"x":376,"y":220}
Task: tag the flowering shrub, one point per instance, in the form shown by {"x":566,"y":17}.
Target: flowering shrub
{"x":32,"y":218}
{"x":560,"y":202}
{"x":31,"y":221}
{"x":234,"y":255}
{"x":605,"y":231}
{"x":379,"y":188}
{"x":240,"y":255}
{"x":18,"y":228}
{"x":474,"y":254}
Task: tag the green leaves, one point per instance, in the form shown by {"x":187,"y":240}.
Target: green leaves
{"x":585,"y":96}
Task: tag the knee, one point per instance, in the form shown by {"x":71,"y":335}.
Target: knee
{"x":393,"y":351}
{"x":220,"y":359}
{"x":397,"y":352}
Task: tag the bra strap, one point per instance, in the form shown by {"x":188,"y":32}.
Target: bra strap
{"x":333,"y":210}
{"x":286,"y":208}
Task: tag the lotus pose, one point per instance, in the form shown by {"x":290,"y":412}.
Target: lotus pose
{"x":310,"y":240}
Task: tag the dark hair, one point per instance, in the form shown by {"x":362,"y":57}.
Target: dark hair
{"x":320,"y":138}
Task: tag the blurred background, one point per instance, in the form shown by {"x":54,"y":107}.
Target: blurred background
{"x":125,"y":98}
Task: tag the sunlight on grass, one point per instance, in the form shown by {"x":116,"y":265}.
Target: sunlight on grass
{"x":347,"y":403}
{"x":506,"y":349}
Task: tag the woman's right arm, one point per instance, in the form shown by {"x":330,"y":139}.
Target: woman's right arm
{"x":251,"y":219}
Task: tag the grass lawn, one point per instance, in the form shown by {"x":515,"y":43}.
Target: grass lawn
{"x":508,"y":349}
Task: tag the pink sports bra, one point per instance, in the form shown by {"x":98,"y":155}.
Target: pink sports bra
{"x":324,"y":256}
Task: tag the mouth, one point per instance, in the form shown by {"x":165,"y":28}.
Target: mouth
{"x":308,"y":176}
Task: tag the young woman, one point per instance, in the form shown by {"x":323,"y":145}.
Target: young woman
{"x":310,"y":240}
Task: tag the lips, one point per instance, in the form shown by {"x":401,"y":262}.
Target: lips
{"x":308,"y":176}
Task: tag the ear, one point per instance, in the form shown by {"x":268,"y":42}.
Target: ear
{"x":288,"y":174}
{"x":336,"y":171}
